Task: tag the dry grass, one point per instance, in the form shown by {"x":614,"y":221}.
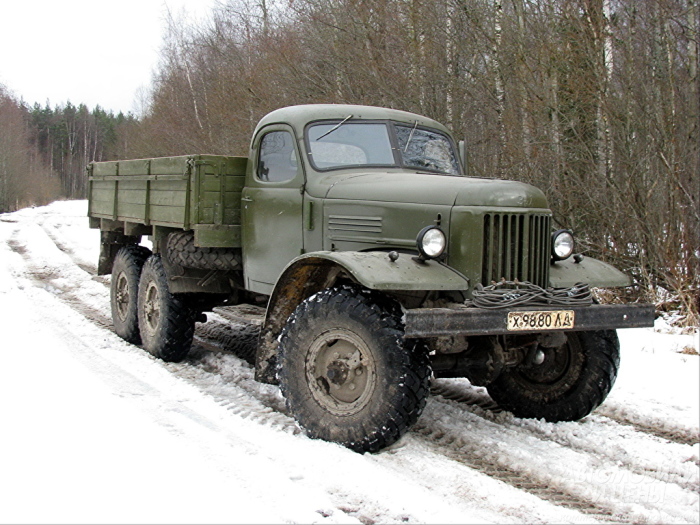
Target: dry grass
{"x":689,"y":350}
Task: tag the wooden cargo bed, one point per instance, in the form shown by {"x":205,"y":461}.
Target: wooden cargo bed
{"x":191,"y":192}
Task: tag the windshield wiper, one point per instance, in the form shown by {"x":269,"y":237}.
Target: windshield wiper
{"x":410,"y":136}
{"x":336,"y":127}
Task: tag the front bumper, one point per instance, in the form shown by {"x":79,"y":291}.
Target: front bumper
{"x":442,"y":322}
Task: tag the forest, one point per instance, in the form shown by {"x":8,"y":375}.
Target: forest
{"x":596,"y":102}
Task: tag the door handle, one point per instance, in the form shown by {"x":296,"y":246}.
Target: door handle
{"x":246,"y":199}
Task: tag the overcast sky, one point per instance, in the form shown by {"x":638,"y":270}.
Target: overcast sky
{"x":86,"y":51}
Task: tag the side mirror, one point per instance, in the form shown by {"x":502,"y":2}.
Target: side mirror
{"x":463,"y":156}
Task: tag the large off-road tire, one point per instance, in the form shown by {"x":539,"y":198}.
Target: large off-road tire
{"x":182,"y":251}
{"x":571,"y":382}
{"x":346,"y":371}
{"x":124,"y":287}
{"x":241,"y":341}
{"x":244,"y":342}
{"x":166,"y":321}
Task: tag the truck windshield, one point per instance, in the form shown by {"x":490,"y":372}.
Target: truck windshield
{"x":350,"y":144}
{"x":344,"y":144}
{"x":426,"y":150}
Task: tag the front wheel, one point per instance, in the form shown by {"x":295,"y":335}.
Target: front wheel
{"x":569,"y":383}
{"x":166,"y":321}
{"x":346,"y":371}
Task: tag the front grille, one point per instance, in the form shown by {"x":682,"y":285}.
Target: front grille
{"x":516,"y":246}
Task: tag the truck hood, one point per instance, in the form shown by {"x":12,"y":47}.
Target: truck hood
{"x":419,"y":188}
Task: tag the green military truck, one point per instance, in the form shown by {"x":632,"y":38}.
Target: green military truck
{"x":380,"y":263}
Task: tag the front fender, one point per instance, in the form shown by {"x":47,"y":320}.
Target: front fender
{"x":376,"y":271}
{"x":564,"y":274}
{"x":312,"y":272}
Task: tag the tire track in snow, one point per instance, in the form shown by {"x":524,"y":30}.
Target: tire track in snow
{"x":68,"y":250}
{"x":528,"y":463}
{"x":680,"y":435}
{"x":201,"y":356}
{"x":663,"y":430}
{"x":231,"y":382}
{"x":452,"y":445}
{"x":469,"y":397}
{"x":45,"y":277}
{"x":206,"y":355}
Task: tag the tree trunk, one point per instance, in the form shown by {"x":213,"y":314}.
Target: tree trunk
{"x":499,"y":85}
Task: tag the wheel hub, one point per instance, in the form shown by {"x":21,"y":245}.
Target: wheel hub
{"x":337,"y":373}
{"x":122,"y":296}
{"x":340,"y":371}
{"x":550,"y":367}
{"x":553,"y":369}
{"x":539,"y":358}
{"x":151,"y":307}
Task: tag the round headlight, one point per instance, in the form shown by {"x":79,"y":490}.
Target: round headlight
{"x":562,"y":245}
{"x":431,"y":242}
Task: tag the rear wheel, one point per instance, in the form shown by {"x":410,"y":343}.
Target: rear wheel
{"x":568,"y":383}
{"x":166,"y":321}
{"x":346,"y":371}
{"x":126,"y":272}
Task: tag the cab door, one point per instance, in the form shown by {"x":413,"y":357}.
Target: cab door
{"x":271,"y":208}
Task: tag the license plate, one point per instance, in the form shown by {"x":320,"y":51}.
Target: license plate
{"x":543,"y":320}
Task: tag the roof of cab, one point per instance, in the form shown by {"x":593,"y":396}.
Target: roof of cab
{"x":299,"y":116}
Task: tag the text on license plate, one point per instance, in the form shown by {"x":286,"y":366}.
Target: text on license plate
{"x":547,"y":320}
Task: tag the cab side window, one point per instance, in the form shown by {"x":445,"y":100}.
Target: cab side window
{"x":277,"y":161}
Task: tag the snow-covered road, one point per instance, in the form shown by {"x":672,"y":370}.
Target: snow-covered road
{"x":96,"y":430}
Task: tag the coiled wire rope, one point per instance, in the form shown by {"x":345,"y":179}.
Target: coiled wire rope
{"x":507,"y":294}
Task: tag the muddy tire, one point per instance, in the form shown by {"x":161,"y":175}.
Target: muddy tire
{"x":346,"y":371}
{"x":166,"y":321}
{"x":572,"y":381}
{"x":182,"y":251}
{"x":123,"y":291}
